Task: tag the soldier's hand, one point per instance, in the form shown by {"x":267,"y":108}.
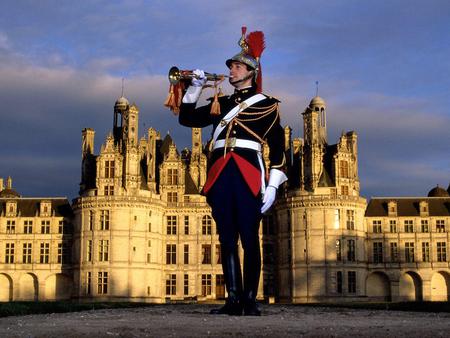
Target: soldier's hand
{"x":269,"y":198}
{"x":199,"y":78}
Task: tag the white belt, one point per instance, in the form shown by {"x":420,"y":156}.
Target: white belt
{"x":233,"y":142}
{"x":247,"y":144}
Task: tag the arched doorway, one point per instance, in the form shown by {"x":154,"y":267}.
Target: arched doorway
{"x":410,"y":287}
{"x":58,"y":287}
{"x":28,"y":287}
{"x":378,"y":287}
{"x":6,"y":288}
{"x":440,"y":289}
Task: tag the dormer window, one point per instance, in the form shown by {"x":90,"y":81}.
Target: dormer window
{"x":45,"y":208}
{"x":11,"y":209}
{"x":392,"y":208}
{"x":423,"y":207}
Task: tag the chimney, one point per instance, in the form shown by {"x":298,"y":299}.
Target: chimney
{"x":9,"y":183}
{"x":1,"y":183}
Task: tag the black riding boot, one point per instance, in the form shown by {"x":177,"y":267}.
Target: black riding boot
{"x":252,"y":270}
{"x":233,"y":282}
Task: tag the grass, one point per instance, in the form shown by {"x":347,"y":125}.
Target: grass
{"x":28,"y":308}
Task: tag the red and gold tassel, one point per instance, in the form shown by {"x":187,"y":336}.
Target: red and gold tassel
{"x":173,"y":100}
{"x":215,"y":106}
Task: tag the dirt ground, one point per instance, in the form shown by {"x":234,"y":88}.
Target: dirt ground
{"x":194,"y":321}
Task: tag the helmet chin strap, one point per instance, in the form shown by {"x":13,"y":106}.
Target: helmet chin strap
{"x":249,"y":76}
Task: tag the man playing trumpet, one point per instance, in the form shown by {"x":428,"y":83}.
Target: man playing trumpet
{"x":236,"y":187}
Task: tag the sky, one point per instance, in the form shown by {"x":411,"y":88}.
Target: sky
{"x":383,"y":69}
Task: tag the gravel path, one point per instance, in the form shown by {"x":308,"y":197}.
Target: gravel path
{"x":194,"y":321}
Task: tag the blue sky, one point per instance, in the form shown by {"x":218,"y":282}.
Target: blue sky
{"x":383,"y":69}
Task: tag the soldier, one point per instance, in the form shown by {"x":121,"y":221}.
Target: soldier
{"x":236,"y":186}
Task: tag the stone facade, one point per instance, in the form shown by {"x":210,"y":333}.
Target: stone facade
{"x":140,"y":230}
{"x":36,"y":244}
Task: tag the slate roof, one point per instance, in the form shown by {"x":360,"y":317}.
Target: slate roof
{"x":408,"y":206}
{"x":29,"y":207}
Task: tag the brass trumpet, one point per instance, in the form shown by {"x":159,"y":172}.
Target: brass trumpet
{"x":175,"y":75}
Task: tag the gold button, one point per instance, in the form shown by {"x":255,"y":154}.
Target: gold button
{"x":234,"y":132}
{"x":239,"y":99}
{"x":232,"y":149}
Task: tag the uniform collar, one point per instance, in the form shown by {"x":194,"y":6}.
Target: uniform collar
{"x":245,"y":93}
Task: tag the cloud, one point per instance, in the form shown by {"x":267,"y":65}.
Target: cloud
{"x":382,"y":69}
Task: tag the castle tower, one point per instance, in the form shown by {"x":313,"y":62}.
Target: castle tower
{"x":197,"y":165}
{"x":321,"y":220}
{"x":315,"y":134}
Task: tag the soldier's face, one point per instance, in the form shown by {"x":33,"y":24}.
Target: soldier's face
{"x":240,"y":76}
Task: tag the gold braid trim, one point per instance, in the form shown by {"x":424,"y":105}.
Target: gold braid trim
{"x":251,"y":132}
{"x":277,"y":115}
{"x":276,"y":166}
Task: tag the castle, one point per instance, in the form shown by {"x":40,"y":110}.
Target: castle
{"x":141,"y":231}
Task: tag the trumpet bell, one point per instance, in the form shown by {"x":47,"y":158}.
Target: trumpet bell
{"x":174,"y":75}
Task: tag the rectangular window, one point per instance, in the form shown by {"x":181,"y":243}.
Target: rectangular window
{"x":171,"y":254}
{"x":9,"y":253}
{"x":409,"y":225}
{"x":351,"y":281}
{"x":172,"y":197}
{"x":45,"y":227}
{"x":206,"y":284}
{"x":337,"y":218}
{"x":425,"y":251}
{"x":26,"y":253}
{"x":376,"y":226}
{"x":44,"y":253}
{"x":351,"y":250}
{"x":393,"y":226}
{"x":440,"y":225}
{"x":60,"y":227}
{"x":149,"y":257}
{"x":218,"y":254}
{"x":91,"y":220}
{"x":172,"y":225}
{"x":89,"y":283}
{"x":424,"y":225}
{"x":378,"y":252}
{"x":104,"y":220}
{"x":186,"y":225}
{"x":186,"y":285}
{"x":343,"y":169}
{"x":28,"y":227}
{"x":103,"y":250}
{"x":206,"y":254}
{"x":206,"y":225}
{"x":394,"y":252}
{"x":109,"y":169}
{"x":338,"y":250}
{"x":89,"y":250}
{"x":63,"y":253}
{"x":186,"y":254}
{"x":102,"y":283}
{"x":109,"y":190}
{"x":441,"y":251}
{"x":409,"y":252}
{"x":172,"y":176}
{"x":10,"y":227}
{"x":350,"y":220}
{"x":171,"y":284}
{"x":339,"y":281}
{"x":344,"y":190}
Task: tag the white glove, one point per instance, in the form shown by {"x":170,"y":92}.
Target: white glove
{"x":269,"y":198}
{"x":199,"y":78}
{"x":276,"y":178}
